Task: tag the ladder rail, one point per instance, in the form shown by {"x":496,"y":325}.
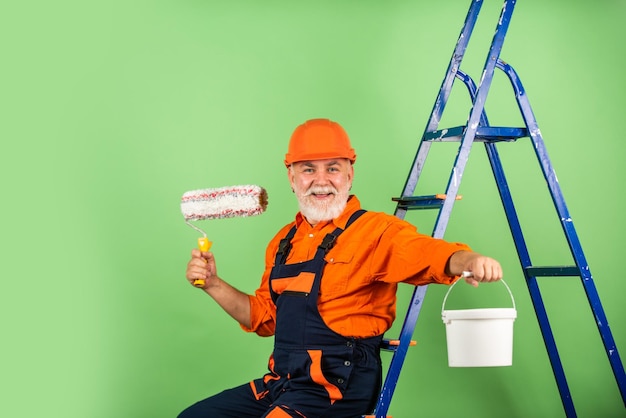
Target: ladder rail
{"x":524,"y":257}
{"x":478,"y":105}
{"x":441,"y":100}
{"x":399,"y":355}
{"x":569,"y":230}
{"x":456,"y":175}
{"x":419,"y":292}
{"x":531,"y":281}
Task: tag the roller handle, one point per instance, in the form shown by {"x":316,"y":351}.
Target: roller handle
{"x":204,"y":245}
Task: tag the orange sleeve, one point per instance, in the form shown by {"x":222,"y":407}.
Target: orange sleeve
{"x":404,"y":255}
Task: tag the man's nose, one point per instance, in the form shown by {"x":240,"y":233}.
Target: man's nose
{"x":321,"y":178}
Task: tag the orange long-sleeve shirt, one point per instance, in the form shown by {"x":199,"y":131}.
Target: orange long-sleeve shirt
{"x":358,"y":289}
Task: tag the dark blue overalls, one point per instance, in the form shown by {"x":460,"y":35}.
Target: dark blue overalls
{"x":314,"y":371}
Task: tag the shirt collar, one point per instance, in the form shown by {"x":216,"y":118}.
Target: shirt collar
{"x":340,"y":222}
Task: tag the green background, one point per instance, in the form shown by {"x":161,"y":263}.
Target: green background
{"x":111,"y":110}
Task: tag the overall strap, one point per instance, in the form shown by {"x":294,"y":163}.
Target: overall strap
{"x":329,"y":240}
{"x":284,"y":246}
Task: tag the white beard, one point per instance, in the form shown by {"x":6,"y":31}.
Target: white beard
{"x":316,"y":212}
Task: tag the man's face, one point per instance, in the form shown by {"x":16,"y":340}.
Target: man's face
{"x":322,"y":187}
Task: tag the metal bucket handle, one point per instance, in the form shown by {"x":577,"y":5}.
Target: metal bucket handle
{"x":467,"y":274}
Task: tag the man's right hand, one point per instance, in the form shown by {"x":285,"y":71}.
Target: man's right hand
{"x":201,"y":266}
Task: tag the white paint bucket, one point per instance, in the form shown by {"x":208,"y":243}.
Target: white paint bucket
{"x":479,"y":337}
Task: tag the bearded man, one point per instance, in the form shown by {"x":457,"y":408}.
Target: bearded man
{"x":328,"y":292}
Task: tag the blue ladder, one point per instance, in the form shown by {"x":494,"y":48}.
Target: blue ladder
{"x":478,"y":129}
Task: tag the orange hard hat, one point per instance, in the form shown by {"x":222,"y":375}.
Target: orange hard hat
{"x":319,"y":139}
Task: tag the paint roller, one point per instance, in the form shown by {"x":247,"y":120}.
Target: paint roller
{"x":218,"y":203}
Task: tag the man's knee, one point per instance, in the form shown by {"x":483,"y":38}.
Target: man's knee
{"x":202,"y":409}
{"x":187,"y":413}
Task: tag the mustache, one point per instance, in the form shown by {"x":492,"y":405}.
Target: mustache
{"x":321,"y":190}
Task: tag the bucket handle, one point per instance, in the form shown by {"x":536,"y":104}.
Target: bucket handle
{"x":467,"y":274}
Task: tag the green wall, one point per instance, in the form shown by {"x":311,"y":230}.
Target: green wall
{"x":110,"y":110}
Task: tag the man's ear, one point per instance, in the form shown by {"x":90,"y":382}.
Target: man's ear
{"x":290,"y":176}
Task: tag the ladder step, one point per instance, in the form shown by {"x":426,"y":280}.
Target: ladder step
{"x":483,"y":134}
{"x":434,"y":201}
{"x":392,"y":345}
{"x":552,"y":271}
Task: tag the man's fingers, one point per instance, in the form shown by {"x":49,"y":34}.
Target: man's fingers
{"x":471,"y":281}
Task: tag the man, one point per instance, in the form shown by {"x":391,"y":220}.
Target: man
{"x":328,"y":292}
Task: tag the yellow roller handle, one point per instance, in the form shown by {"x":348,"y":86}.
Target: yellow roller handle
{"x":204,"y":245}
